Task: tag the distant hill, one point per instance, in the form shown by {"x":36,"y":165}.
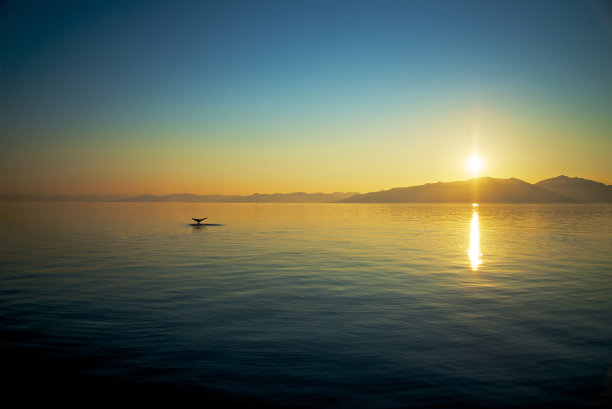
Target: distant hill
{"x":297,"y":197}
{"x":479,"y":190}
{"x":182,"y":197}
{"x":578,"y":189}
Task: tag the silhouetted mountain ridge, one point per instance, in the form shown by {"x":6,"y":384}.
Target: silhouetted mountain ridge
{"x":182,"y":197}
{"x":296,"y":197}
{"x":489,"y":190}
{"x":578,"y":189}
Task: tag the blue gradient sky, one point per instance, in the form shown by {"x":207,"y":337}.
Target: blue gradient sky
{"x":278,"y":96}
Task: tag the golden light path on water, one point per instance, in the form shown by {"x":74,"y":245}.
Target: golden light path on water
{"x":474,"y":251}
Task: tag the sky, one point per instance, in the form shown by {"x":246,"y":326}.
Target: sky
{"x":242,"y":97}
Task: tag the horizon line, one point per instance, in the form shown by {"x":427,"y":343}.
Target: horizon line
{"x":136,"y":195}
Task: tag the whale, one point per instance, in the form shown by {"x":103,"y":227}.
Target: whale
{"x":198,"y":220}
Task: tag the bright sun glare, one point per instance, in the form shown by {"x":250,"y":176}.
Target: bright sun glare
{"x":475,"y":164}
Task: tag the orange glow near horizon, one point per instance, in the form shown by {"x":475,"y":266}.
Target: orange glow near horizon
{"x":364,"y":157}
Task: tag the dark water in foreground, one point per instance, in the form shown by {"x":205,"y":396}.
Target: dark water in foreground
{"x":292,"y":306}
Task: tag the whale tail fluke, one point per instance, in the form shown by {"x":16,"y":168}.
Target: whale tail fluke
{"x":198,"y":220}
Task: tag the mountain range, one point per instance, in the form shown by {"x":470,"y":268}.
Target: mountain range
{"x":578,"y":189}
{"x":560,"y":189}
{"x":296,"y":197}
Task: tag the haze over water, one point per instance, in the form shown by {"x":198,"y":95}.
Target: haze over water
{"x":318,"y":305}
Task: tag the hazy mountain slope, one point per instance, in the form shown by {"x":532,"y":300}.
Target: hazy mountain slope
{"x":296,"y":197}
{"x":181,"y":197}
{"x":578,"y":189}
{"x":480,"y":190}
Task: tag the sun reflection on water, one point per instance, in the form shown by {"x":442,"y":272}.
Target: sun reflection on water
{"x":474,"y":251}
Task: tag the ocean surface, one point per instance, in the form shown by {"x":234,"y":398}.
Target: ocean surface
{"x":307,"y":305}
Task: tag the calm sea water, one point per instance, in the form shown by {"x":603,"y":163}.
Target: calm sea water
{"x":330,"y":305}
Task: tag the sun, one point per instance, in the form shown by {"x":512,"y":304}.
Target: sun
{"x":475,"y":164}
